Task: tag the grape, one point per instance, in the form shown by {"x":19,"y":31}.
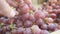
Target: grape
{"x":49,"y":8}
{"x":20,"y":30}
{"x":58,"y":11}
{"x":42,"y":15}
{"x":14,"y":31}
{"x":53,"y":15}
{"x":49,"y":4}
{"x":24,"y":9}
{"x":44,"y":32}
{"x":19,"y":23}
{"x":49,"y":11}
{"x":38,"y":14}
{"x":0,"y":30}
{"x":8,"y":32}
{"x":6,"y":28}
{"x":3,"y":32}
{"x":57,"y":7}
{"x":25,"y":16}
{"x":54,"y":6}
{"x":44,"y":27}
{"x":32,"y":18}
{"x":27,"y":31}
{"x":55,"y":11}
{"x":35,"y":29}
{"x":28,"y":23}
{"x":11,"y":20}
{"x":58,"y":20}
{"x":39,"y":22}
{"x":58,"y":27}
{"x":49,"y":20}
{"x":18,"y":17}
{"x":52,"y":27}
{"x":2,"y":19}
{"x":53,"y":1}
{"x":12,"y":3}
{"x":6,"y":21}
{"x":58,"y":16}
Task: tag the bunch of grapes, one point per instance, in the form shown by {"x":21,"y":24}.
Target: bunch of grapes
{"x":44,"y":20}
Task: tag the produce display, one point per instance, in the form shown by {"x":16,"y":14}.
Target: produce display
{"x":44,"y":20}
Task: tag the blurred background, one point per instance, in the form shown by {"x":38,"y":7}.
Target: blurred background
{"x":37,"y":3}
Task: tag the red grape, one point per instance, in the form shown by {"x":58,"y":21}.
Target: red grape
{"x":8,"y":32}
{"x":35,"y":29}
{"x":46,"y":13}
{"x":25,"y":16}
{"x":19,"y":23}
{"x":39,"y":22}
{"x":44,"y":32}
{"x":49,"y":20}
{"x":14,"y":32}
{"x":53,"y":15}
{"x":27,"y":31}
{"x":12,"y":3}
{"x":52,"y":27}
{"x":20,"y":30}
{"x":32,"y":18}
{"x":0,"y":30}
{"x":24,"y":8}
{"x":28,"y":23}
{"x":5,"y":28}
{"x":44,"y":27}
{"x":39,"y":14}
{"x":36,"y":15}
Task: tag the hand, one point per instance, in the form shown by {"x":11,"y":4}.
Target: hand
{"x":6,"y":10}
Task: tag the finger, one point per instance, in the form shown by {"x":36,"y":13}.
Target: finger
{"x":6,"y":10}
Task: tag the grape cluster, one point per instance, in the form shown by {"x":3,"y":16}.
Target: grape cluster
{"x":43,"y":20}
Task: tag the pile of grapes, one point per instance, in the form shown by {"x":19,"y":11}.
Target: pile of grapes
{"x":44,"y":20}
